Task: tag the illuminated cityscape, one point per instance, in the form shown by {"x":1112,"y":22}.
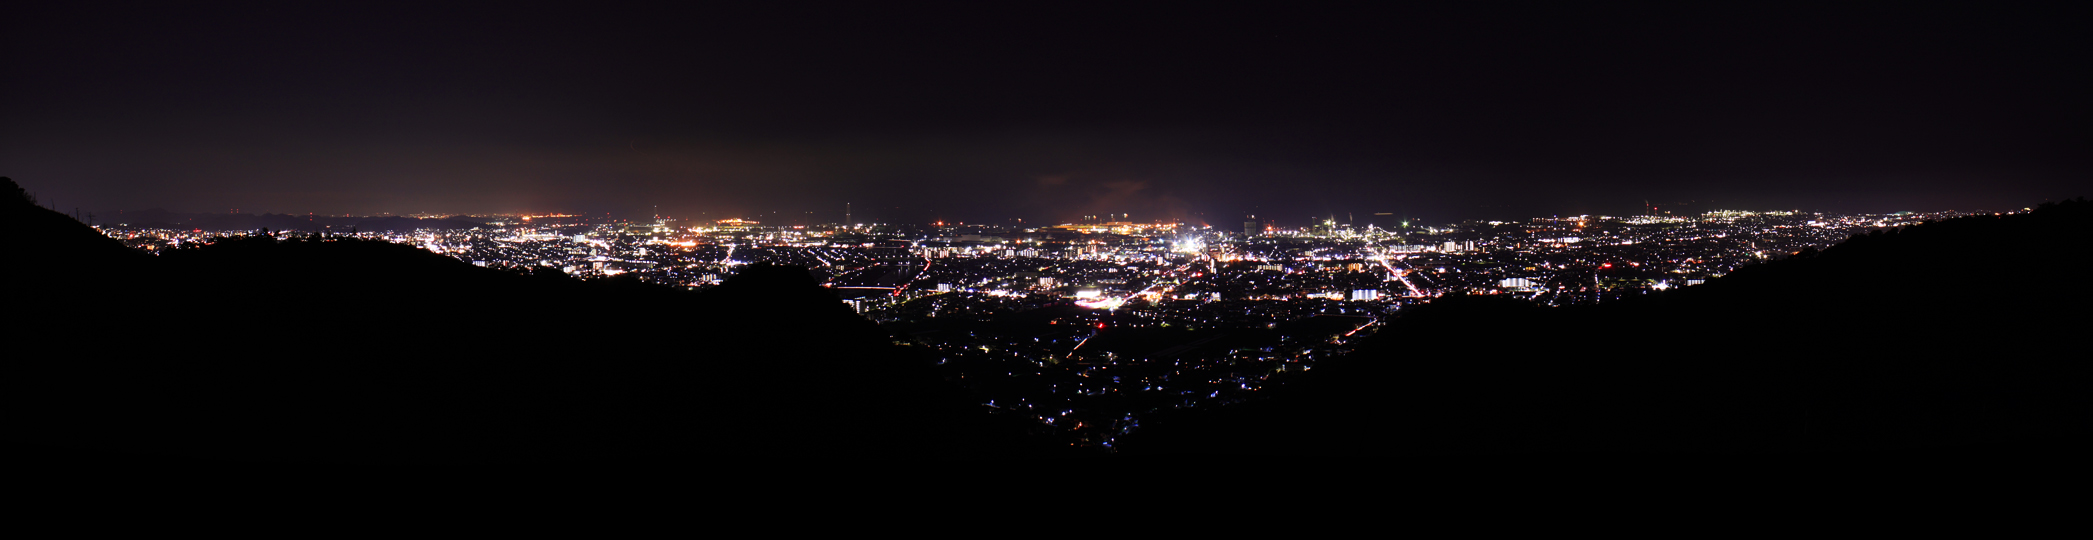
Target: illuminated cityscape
{"x":1085,"y":326}
{"x":691,"y":235}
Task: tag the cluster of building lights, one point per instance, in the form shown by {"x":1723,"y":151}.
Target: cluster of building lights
{"x":1251,"y":306}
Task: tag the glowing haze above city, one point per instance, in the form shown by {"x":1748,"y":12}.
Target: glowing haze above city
{"x":953,"y":113}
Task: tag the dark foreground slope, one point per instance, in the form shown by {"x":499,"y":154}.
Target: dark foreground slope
{"x":1963,"y":332}
{"x":337,"y":349}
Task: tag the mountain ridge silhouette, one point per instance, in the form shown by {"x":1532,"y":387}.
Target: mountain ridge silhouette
{"x":309,"y":348}
{"x":1956,"y":332}
{"x":332,"y":349}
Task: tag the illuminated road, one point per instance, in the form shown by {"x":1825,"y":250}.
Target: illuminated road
{"x":920,"y":275}
{"x":1382,"y":257}
{"x":1115,"y":302}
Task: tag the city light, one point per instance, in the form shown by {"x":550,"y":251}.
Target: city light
{"x":1306,"y":292}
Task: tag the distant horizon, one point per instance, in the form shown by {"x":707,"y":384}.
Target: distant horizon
{"x":989,"y":114}
{"x":1425,"y":214}
{"x":1029,"y":223}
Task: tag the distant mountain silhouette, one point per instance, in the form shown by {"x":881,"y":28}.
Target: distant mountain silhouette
{"x":158,"y":218}
{"x":311,"y":348}
{"x":1968,"y":331}
{"x":404,"y":224}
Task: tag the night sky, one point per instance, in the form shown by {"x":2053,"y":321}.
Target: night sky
{"x":988,"y":114}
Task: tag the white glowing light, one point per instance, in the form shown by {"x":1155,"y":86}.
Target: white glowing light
{"x":1102,"y":303}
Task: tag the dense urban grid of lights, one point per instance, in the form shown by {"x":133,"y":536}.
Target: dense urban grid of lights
{"x":1085,"y":326}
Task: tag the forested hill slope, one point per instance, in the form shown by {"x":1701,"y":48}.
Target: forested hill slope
{"x":1969,"y":331}
{"x":333,"y":349}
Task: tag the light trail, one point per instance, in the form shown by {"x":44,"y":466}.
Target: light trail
{"x":1361,"y":327}
{"x":1079,"y":344}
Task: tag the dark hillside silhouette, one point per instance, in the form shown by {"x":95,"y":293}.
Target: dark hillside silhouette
{"x":49,"y":241}
{"x":1968,"y":331}
{"x":319,"y":348}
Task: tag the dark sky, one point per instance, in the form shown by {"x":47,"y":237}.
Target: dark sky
{"x":986,"y":114}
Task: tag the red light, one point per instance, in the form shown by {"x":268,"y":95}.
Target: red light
{"x":1100,"y":325}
